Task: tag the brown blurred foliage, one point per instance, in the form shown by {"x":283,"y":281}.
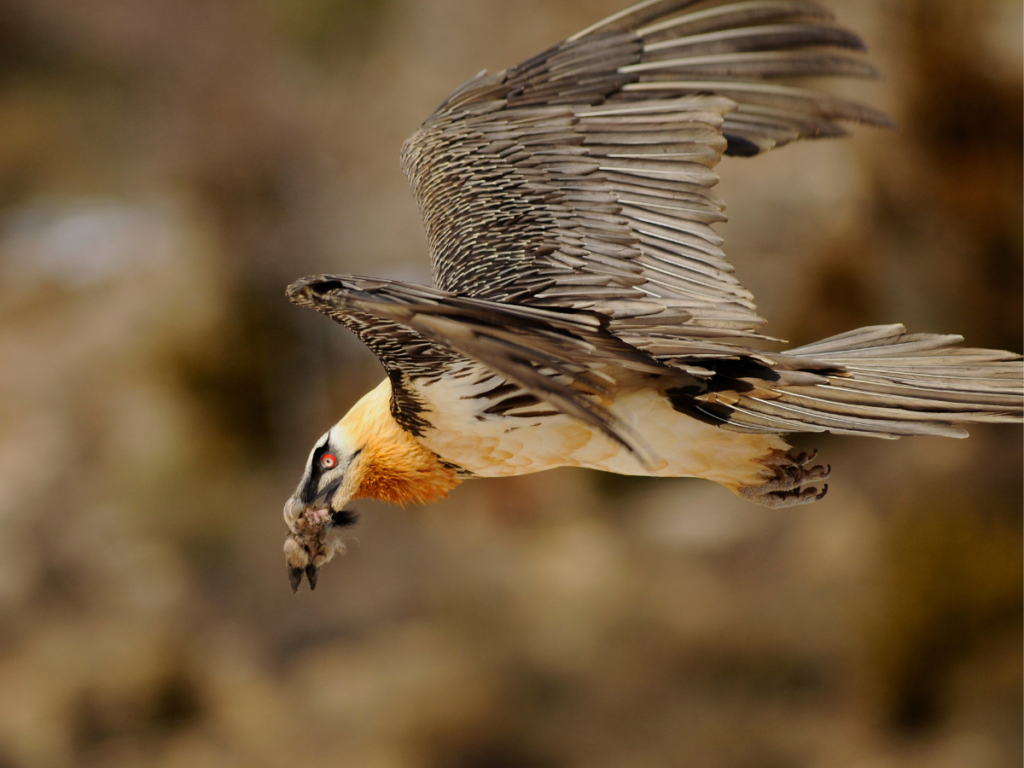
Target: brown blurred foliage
{"x":168,"y":166}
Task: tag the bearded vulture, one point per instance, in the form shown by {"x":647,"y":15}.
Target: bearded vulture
{"x":583,"y":312}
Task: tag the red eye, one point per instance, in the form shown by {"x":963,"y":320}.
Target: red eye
{"x":328,"y":461}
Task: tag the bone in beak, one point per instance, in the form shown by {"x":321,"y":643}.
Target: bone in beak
{"x":312,"y":572}
{"x":307,"y":547}
{"x":295,"y":578}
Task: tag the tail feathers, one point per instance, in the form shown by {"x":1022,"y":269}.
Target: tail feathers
{"x":883,"y":382}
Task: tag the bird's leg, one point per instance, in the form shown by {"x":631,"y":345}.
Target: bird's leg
{"x":789,"y":473}
{"x":307,"y":548}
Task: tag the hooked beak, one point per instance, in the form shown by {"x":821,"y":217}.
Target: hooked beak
{"x":294,"y":506}
{"x":330,"y":490}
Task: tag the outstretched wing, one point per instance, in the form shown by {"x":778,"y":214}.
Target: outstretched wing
{"x":582,"y":178}
{"x":422,"y":335}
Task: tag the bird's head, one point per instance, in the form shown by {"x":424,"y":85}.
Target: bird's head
{"x":365,"y":455}
{"x":332,"y":477}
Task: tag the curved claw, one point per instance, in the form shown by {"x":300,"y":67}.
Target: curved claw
{"x":818,"y":472}
{"x":790,"y":473}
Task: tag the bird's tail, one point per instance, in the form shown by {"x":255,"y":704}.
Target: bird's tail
{"x":881,"y":381}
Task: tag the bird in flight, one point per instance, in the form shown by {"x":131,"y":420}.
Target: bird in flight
{"x":583,"y":312}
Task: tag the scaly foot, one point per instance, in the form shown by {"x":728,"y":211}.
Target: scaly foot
{"x":790,"y":473}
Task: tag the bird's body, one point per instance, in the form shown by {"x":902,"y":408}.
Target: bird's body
{"x":583,"y":313}
{"x":533,"y":439}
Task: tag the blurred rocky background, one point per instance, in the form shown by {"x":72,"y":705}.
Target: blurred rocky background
{"x":168,"y":166}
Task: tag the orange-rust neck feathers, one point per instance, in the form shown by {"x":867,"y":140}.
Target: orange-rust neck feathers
{"x":393,"y":466}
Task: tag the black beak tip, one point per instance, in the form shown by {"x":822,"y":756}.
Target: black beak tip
{"x":295,"y":578}
{"x":312,"y":573}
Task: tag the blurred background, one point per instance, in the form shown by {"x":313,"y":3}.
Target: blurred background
{"x":167,"y":167}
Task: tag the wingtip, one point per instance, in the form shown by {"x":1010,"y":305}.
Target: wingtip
{"x":305,"y":291}
{"x":294,"y":291}
{"x":883,"y":120}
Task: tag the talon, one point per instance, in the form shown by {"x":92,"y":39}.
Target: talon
{"x":295,"y":578}
{"x":788,"y":473}
{"x":817,"y":473}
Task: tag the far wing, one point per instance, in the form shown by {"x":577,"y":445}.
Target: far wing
{"x":581,"y":179}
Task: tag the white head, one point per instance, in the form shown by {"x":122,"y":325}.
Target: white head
{"x":331,"y":474}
